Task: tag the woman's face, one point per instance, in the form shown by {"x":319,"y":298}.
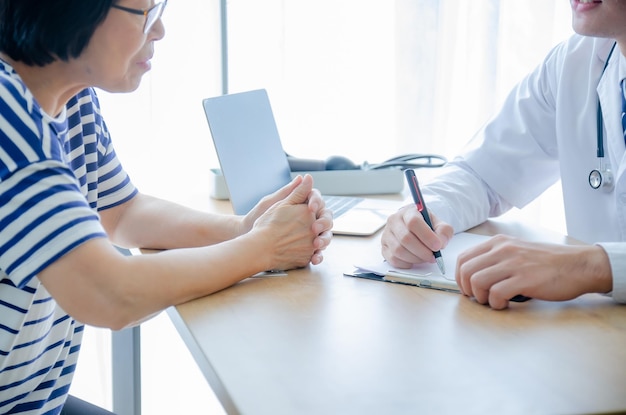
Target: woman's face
{"x":119,"y":52}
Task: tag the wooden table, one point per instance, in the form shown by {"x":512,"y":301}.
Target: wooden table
{"x":317,"y":342}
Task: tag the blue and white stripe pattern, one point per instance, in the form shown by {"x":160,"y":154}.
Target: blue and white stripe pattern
{"x":55,"y":173}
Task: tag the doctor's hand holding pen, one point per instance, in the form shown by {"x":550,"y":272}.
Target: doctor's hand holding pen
{"x":503,"y":267}
{"x":407,"y":239}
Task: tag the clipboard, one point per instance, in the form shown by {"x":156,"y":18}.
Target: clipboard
{"x":425,"y":275}
{"x":435,"y":282}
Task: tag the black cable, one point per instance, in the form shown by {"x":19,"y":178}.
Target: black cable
{"x":409,"y":161}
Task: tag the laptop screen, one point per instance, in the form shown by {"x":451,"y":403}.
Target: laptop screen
{"x":248,"y":146}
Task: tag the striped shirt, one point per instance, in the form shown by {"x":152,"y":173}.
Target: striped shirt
{"x":55,"y":174}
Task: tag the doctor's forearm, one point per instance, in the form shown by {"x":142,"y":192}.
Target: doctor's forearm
{"x":461,"y":199}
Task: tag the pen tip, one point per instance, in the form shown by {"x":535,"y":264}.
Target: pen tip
{"x":441,"y":265}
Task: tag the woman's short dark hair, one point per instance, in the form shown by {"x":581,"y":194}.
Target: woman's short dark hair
{"x":38,"y":32}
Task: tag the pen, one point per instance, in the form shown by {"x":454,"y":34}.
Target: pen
{"x":421,"y":207}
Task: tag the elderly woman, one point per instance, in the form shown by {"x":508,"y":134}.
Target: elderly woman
{"x":65,"y":200}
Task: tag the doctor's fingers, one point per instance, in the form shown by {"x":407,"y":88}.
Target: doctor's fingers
{"x":489,"y":285}
{"x":500,"y":284}
{"x":398,"y":256}
{"x":402,"y":248}
{"x":394,"y":233}
{"x":481,"y":266}
{"x":444,"y":231}
{"x":435,"y":238}
{"x":468,"y":263}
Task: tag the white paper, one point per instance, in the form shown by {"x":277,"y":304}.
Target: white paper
{"x":459,"y":243}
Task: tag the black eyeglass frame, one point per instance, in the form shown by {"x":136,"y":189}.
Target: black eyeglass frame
{"x":155,"y":12}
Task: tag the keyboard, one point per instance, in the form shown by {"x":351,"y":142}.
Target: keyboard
{"x":341,"y":204}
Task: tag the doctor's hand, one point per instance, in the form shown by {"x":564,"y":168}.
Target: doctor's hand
{"x":503,"y":267}
{"x":407,"y":239}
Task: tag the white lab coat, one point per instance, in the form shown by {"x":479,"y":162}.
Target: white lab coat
{"x":545,"y":131}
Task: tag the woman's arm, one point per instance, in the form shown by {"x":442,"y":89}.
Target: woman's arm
{"x":97,"y":285}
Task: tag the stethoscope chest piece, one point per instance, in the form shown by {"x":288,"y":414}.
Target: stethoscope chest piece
{"x":604,"y":180}
{"x":595,"y":179}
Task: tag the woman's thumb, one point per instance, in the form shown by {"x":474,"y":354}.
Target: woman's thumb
{"x":301,"y":193}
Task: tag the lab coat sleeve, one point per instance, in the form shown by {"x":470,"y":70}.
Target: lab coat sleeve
{"x":515,"y":153}
{"x":616,"y":252}
{"x":509,"y":162}
{"x":460,"y":198}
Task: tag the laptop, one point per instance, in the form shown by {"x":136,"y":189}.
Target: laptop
{"x":254,"y":163}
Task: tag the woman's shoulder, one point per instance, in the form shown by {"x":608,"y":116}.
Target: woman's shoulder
{"x":13,"y":92}
{"x":84,"y":102}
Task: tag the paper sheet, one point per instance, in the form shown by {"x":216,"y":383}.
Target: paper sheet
{"x":459,"y":243}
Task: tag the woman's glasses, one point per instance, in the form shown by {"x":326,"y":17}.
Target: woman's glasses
{"x":152,"y":14}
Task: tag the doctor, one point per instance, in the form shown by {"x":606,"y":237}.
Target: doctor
{"x":563,"y":121}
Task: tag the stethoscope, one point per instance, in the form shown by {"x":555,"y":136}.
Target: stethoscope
{"x":409,"y":161}
{"x":602,"y":177}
